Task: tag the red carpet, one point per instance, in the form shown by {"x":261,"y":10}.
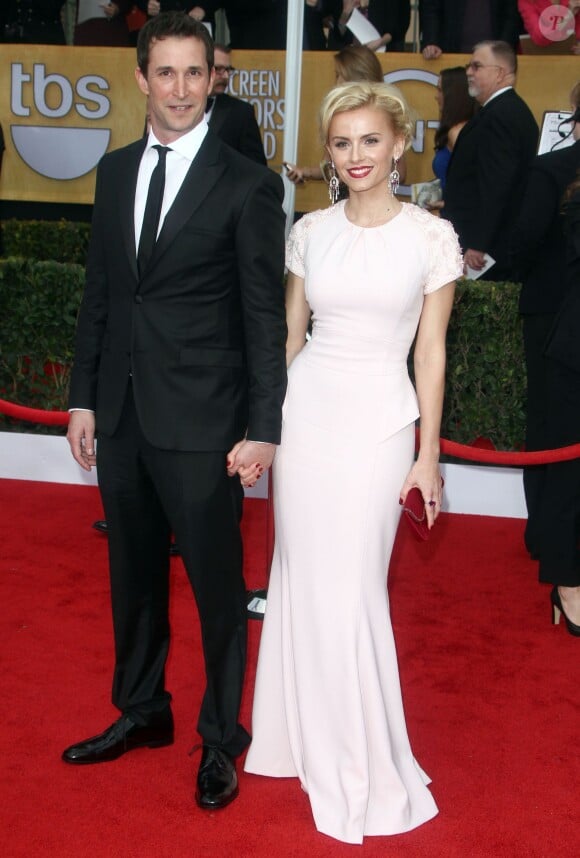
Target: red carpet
{"x":490,"y":689}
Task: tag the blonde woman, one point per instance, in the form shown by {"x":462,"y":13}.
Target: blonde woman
{"x":372,"y":273}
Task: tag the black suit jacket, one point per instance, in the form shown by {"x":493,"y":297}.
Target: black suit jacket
{"x":234,"y":122}
{"x":441,"y":22}
{"x":563,"y":344}
{"x":203,"y":330}
{"x":487,"y":175}
{"x":539,"y":246}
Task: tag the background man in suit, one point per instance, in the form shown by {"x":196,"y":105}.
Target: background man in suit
{"x":488,"y":168}
{"x":232,"y":119}
{"x":455,"y":26}
{"x":180,"y":353}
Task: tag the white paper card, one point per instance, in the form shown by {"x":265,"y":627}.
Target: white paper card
{"x":362,"y":29}
{"x":91,"y":9}
{"x":472,"y":274}
{"x":556,"y":133}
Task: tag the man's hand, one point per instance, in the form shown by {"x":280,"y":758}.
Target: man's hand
{"x":474,"y":259}
{"x":81,"y":437}
{"x":197,"y":13}
{"x":432,"y":52}
{"x":153,"y":8}
{"x":249,"y":461}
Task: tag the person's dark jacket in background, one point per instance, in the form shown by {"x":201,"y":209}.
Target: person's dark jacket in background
{"x":539,"y":244}
{"x":564,"y":343}
{"x":256,"y":24}
{"x":234,"y":122}
{"x":441,"y":23}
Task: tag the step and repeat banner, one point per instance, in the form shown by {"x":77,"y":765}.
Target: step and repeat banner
{"x":61,"y":109}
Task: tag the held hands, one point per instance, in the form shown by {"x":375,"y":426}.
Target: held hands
{"x":81,"y":437}
{"x":249,"y":460}
{"x":427,"y":478}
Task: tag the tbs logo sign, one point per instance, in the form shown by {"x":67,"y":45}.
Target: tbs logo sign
{"x":56,"y":151}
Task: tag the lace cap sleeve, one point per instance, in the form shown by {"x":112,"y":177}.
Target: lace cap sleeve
{"x":445,"y":259}
{"x":295,"y":247}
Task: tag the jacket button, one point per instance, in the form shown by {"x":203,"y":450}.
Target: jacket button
{"x":138,"y":299}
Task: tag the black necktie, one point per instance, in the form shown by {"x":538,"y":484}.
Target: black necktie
{"x":152,"y":211}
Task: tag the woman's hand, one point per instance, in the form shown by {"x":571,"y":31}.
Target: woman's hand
{"x":385,"y":39}
{"x":427,"y":478}
{"x":432,"y":52}
{"x":348,"y":6}
{"x":296,"y":174}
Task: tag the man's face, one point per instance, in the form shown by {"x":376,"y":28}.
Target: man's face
{"x":485,"y":75}
{"x":222,"y":68}
{"x":177,"y":85}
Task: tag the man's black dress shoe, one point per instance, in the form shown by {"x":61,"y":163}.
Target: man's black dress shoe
{"x":122,"y":736}
{"x":217,"y":782}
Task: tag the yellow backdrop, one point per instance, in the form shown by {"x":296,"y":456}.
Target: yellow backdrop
{"x":60,"y":109}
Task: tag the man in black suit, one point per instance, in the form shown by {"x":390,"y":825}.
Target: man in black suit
{"x":455,"y":26}
{"x":180,"y":367}
{"x":232,"y":119}
{"x":488,"y":168}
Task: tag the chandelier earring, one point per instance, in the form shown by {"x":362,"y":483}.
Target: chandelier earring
{"x":394,"y":177}
{"x":333,"y":185}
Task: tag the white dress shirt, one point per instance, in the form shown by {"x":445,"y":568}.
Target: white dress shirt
{"x":183,"y":151}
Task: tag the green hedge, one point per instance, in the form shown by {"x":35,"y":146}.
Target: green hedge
{"x":39,"y":301}
{"x":60,"y":241}
{"x":485,"y":376}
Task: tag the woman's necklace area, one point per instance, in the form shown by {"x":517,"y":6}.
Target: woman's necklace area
{"x":380,"y":219}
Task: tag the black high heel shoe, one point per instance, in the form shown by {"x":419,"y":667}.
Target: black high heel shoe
{"x":558,"y":610}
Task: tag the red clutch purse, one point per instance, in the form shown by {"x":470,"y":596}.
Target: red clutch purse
{"x":415,"y":512}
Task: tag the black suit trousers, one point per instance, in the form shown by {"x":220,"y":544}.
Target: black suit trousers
{"x":148,"y":492}
{"x":552,"y":491}
{"x":535,"y":330}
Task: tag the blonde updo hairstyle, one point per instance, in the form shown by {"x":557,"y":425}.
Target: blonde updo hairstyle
{"x":380,"y":96}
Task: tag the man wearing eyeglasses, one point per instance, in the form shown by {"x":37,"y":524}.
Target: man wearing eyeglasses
{"x":488,"y":168}
{"x":232,"y":119}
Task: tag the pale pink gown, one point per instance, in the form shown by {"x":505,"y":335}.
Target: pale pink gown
{"x":327,"y":706}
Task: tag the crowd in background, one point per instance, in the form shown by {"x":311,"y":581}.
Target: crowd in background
{"x":443,"y":26}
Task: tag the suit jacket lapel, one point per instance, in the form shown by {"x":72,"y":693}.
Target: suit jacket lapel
{"x":218,"y":114}
{"x":127,"y":186}
{"x":203,"y":174}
